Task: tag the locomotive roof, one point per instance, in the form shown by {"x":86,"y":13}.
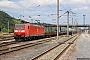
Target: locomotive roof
{"x":35,"y":24}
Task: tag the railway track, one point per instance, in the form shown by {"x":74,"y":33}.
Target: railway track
{"x":6,"y":38}
{"x":3,"y":37}
{"x":57,"y":51}
{"x":7,"y":43}
{"x":21,"y":46}
{"x":65,"y":44}
{"x":39,"y":53}
{"x":4,"y":41}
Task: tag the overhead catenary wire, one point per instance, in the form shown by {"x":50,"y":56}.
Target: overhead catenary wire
{"x":62,"y":6}
{"x":33,"y":10}
{"x":67,"y":5}
{"x":48,"y":5}
{"x":27,"y":8}
{"x":23,"y":6}
{"x":8,"y":12}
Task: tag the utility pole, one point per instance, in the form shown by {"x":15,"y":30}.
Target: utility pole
{"x":20,"y":18}
{"x":72,"y":26}
{"x":67,"y":23}
{"x":84,"y":21}
{"x":57,"y":19}
{"x":31,"y":20}
{"x":8,"y":27}
{"x":38,"y":21}
{"x":1,"y":29}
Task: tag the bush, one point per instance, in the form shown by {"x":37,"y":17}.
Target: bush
{"x":4,"y":30}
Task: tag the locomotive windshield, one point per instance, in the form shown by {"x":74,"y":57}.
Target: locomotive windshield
{"x":20,"y":26}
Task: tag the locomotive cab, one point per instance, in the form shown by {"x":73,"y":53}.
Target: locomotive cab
{"x":21,"y":31}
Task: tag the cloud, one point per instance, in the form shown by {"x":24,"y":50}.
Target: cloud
{"x":44,"y":8}
{"x":82,"y":8}
{"x":4,"y":0}
{"x":8,"y":5}
{"x":75,"y":1}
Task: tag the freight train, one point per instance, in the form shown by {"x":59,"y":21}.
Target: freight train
{"x":28,"y":31}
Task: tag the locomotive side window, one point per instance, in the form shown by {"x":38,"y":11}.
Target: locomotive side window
{"x":20,"y":26}
{"x":28,"y":27}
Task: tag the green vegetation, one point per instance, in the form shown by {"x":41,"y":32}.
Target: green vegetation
{"x":4,"y":19}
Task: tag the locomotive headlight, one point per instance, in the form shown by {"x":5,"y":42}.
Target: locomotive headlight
{"x":16,"y":31}
{"x":22,"y":30}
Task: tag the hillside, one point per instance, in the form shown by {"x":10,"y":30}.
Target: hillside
{"x":4,"y":19}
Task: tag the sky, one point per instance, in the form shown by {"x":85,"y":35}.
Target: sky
{"x":46,"y":10}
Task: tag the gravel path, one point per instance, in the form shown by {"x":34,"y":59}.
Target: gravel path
{"x":83,"y":48}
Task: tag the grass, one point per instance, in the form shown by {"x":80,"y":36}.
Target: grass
{"x":6,"y":34}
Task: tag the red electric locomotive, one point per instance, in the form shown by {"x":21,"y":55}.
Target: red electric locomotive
{"x":27,"y":31}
